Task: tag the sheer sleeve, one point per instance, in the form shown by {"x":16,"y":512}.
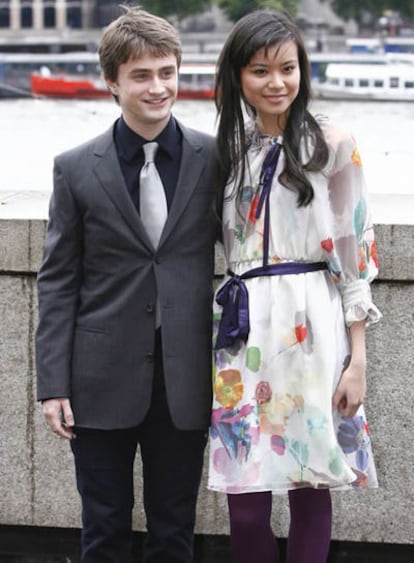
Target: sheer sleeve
{"x":354,"y":243}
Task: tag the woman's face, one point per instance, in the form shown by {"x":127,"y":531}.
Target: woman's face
{"x":270,"y":83}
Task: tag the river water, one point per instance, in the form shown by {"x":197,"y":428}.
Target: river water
{"x":32,"y":131}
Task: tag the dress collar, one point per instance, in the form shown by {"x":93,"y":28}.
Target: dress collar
{"x":258,"y":140}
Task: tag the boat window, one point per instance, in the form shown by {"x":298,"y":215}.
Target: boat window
{"x":378,"y":83}
{"x":196,"y":81}
{"x":363,"y":83}
{"x":334,"y":81}
{"x":349,"y":82}
{"x":394,"y":82}
{"x":409,"y":84}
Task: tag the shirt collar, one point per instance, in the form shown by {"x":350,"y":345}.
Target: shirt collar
{"x":130,"y":143}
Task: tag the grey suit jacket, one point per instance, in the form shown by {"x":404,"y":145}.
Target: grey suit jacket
{"x":99,"y":281}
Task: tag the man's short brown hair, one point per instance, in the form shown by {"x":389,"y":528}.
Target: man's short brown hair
{"x":134,"y":34}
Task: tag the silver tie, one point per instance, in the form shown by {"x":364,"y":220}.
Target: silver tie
{"x":152,"y":201}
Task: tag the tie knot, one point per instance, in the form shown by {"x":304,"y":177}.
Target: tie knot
{"x":150,"y":150}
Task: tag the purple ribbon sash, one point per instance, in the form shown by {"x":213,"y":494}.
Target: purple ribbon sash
{"x":266,"y":176}
{"x":234,"y":298}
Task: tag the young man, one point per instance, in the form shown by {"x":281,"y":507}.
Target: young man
{"x":123,"y":342}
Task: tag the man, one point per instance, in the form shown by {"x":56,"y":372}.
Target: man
{"x":123,"y":342}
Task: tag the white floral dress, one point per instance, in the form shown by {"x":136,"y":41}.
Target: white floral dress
{"x":273,"y":427}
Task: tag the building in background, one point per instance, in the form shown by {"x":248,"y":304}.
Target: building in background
{"x":59,"y":15}
{"x":61,"y":26}
{"x":54,"y":26}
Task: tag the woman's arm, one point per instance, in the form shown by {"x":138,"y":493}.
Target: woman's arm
{"x":351,"y":389}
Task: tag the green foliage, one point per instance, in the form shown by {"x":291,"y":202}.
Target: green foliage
{"x":289,"y":5}
{"x":235,"y":9}
{"x":406,"y":8}
{"x":179,"y":8}
{"x":357,"y":8}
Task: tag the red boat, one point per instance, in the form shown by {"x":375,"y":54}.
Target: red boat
{"x":62,"y":86}
{"x":196,"y":83}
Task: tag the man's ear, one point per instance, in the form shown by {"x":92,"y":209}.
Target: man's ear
{"x":113,"y":87}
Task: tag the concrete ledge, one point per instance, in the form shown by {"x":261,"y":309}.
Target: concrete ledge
{"x":395,"y":251}
{"x":387,"y":209}
{"x":38,"y":486}
{"x":22,"y":245}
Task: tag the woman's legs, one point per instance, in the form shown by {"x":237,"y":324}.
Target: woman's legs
{"x":251,"y":535}
{"x":310,"y":526}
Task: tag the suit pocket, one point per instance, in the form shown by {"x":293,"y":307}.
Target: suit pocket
{"x":92,"y":357}
{"x":92,"y":329}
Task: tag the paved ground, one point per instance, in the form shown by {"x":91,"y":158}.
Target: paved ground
{"x":51,"y":545}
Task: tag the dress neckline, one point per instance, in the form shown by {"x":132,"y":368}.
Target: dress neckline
{"x":259,"y":140}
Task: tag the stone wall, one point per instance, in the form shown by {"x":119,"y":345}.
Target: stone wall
{"x":37,"y":486}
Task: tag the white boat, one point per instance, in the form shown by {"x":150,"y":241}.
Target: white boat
{"x":391,"y":81}
{"x":320,"y":61}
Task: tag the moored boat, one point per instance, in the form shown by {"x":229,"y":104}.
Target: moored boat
{"x":196,"y":82}
{"x":77,"y":75}
{"x":66,"y":86}
{"x":379,"y":82}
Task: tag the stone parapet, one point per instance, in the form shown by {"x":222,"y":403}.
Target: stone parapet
{"x":37,"y":487}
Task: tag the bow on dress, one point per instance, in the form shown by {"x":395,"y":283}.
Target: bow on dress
{"x":233,"y":296}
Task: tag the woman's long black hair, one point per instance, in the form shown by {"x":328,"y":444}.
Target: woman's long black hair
{"x":263,"y":29}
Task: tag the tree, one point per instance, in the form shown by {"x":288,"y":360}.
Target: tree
{"x":356,"y":9}
{"x":235,"y":9}
{"x":178,"y":8}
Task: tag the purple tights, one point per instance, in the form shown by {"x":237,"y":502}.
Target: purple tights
{"x":252,"y":538}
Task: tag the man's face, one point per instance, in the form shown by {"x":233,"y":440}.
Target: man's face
{"x":146,"y":88}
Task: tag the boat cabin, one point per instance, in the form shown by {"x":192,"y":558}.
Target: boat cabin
{"x":393,"y":82}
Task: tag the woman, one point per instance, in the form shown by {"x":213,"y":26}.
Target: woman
{"x":289,"y":376}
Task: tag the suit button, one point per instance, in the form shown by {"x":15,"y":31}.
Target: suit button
{"x":150,"y":308}
{"x":149,"y":357}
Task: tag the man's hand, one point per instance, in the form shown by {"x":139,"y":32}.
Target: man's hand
{"x":59,"y":416}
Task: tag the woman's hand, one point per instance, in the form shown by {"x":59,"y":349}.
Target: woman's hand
{"x":350,"y":393}
{"x":352,"y":386}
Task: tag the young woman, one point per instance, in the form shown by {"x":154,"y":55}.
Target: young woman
{"x":289,"y":376}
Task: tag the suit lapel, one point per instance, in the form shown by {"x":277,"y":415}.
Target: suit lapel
{"x":109,"y":174}
{"x":192,"y":164}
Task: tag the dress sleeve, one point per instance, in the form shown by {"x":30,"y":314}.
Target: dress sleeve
{"x":356,"y":263}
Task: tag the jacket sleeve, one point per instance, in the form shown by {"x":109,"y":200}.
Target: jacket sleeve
{"x":58,"y":283}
